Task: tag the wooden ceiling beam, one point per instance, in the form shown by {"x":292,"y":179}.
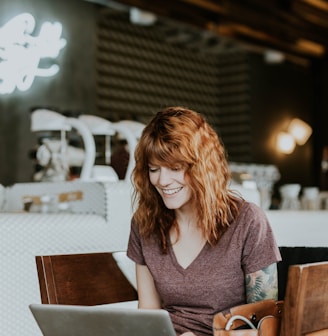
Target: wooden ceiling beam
{"x":314,"y":16}
{"x":278,"y":23}
{"x":319,"y":4}
{"x":275,"y":23}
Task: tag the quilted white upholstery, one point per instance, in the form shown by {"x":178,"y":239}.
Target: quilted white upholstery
{"x":23,"y":236}
{"x":127,"y":266}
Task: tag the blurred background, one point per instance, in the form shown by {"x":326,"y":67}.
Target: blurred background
{"x":250,"y":67}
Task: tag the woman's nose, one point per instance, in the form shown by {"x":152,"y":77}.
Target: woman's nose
{"x":164,"y":177}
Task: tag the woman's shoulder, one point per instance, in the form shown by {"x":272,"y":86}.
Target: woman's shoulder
{"x":250,"y":209}
{"x":140,"y":233}
{"x":251,"y":215}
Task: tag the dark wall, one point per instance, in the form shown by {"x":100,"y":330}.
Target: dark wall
{"x":320,"y":136}
{"x":281,"y":92}
{"x":72,"y":89}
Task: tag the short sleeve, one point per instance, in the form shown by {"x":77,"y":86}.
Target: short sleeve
{"x":260,"y":248}
{"x":134,"y":251}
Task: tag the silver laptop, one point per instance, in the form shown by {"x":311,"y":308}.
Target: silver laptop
{"x":67,"y":320}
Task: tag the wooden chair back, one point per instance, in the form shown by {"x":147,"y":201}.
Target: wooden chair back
{"x":82,"y":279}
{"x":306,"y":301}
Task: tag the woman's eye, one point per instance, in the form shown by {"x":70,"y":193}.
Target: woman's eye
{"x":152,"y":169}
{"x":176,"y":168}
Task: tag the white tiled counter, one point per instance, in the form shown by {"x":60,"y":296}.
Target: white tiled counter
{"x":300,"y":228}
{"x":302,"y":237}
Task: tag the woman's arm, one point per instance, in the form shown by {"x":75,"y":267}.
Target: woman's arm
{"x":262,"y":284}
{"x":147,"y":293}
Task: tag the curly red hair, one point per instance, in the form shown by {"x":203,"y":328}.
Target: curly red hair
{"x":180,"y":136}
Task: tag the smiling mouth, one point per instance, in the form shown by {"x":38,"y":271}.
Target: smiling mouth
{"x":171,"y":191}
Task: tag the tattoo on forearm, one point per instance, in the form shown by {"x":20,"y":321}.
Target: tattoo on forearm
{"x":262,"y":284}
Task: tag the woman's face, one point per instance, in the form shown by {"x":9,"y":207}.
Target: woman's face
{"x":172,"y":185}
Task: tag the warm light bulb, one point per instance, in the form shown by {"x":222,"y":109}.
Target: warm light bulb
{"x":285,"y":143}
{"x":300,"y":130}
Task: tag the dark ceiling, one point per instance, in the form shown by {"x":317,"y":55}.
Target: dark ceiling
{"x":298,"y":28}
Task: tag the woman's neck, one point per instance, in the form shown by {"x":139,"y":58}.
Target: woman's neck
{"x":186,"y":219}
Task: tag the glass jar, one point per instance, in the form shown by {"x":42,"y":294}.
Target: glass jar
{"x":310,"y":198}
{"x":289,"y":194}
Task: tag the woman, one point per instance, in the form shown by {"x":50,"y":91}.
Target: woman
{"x":199,"y":248}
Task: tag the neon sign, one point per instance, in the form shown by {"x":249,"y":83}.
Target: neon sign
{"x":21,"y":53}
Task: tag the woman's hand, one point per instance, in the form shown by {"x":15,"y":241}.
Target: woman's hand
{"x":188,"y":333}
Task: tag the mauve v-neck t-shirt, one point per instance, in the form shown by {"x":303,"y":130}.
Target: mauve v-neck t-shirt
{"x":215,"y":280}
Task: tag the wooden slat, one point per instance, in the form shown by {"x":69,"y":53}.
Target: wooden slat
{"x":82,"y":279}
{"x":306,"y":300}
{"x":46,"y":280}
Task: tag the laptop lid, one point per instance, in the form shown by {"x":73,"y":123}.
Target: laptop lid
{"x":67,"y":320}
